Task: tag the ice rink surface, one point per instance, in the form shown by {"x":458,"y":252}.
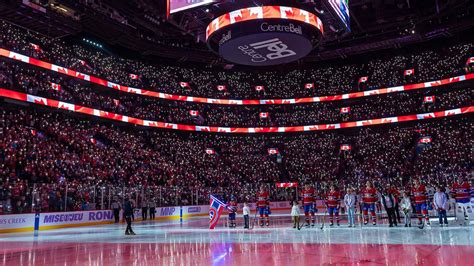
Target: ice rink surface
{"x":192,"y":243}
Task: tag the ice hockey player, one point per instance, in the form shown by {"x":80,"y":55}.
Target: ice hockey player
{"x":263,"y":206}
{"x":369,"y":198}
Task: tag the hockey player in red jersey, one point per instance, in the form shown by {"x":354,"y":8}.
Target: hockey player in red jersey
{"x":461,"y":193}
{"x":420,"y":198}
{"x":263,"y":205}
{"x":309,"y":201}
{"x":369,"y":198}
{"x":232,"y":208}
{"x":333,"y":202}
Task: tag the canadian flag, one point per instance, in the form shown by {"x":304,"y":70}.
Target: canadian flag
{"x":309,"y":86}
{"x":264,"y":115}
{"x":429,"y":99}
{"x":84,"y":63}
{"x":116,"y":102}
{"x":133,"y":76}
{"x":55,"y":86}
{"x":210,"y":151}
{"x":221,"y":87}
{"x":426,"y":139}
{"x":470,"y":60}
{"x":93,"y":141}
{"x":345,"y":147}
{"x":285,"y":185}
{"x":36,"y":47}
{"x":345,"y":110}
{"x":33,"y":132}
{"x":409,"y":72}
{"x":272,"y":151}
{"x":184,"y":84}
{"x":259,"y":88}
{"x":194,"y":112}
{"x":363,"y":79}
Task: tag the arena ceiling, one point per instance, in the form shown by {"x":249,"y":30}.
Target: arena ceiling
{"x":142,"y":26}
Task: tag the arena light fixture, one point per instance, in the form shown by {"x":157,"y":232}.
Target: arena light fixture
{"x":265,"y":35}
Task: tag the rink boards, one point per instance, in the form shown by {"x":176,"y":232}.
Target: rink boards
{"x":45,"y":221}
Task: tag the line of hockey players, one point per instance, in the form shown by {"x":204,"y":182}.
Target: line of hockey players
{"x":368,"y":199}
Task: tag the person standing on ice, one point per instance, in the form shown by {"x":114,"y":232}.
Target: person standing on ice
{"x":405,"y":205}
{"x":309,"y":201}
{"x":295,"y":214}
{"x":440,"y":202}
{"x":127,"y":212}
{"x":369,"y":198}
{"x":461,"y":192}
{"x":263,"y":206}
{"x":350,"y":203}
{"x":333,"y":204}
{"x":421,"y":207}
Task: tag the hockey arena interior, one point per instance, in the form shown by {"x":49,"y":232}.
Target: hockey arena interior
{"x":236,"y":132}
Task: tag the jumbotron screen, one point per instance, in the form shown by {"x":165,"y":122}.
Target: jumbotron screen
{"x":180,"y":5}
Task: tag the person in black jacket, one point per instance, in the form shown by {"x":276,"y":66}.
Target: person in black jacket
{"x":388,"y":202}
{"x":128,"y":212}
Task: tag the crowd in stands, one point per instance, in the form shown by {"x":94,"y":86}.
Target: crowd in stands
{"x":56,"y":161}
{"x":56,"y":152}
{"x":329,"y":79}
{"x":38,"y":82}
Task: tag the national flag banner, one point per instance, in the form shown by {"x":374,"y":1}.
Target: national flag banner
{"x":93,"y":141}
{"x":272,"y":151}
{"x":263,"y":115}
{"x":309,"y":86}
{"x":55,"y":86}
{"x":363,"y":79}
{"x":33,"y":132}
{"x":116,"y":102}
{"x":215,"y":210}
{"x":426,"y":139}
{"x":409,"y":72}
{"x":84,"y":63}
{"x":210,"y":151}
{"x":193,"y":112}
{"x":345,"y":110}
{"x":285,"y":185}
{"x":221,"y":87}
{"x":36,"y":47}
{"x":429,"y":99}
{"x":345,"y":147}
{"x":184,"y":84}
{"x":259,"y":88}
{"x":470,"y":60}
{"x":134,"y":76}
